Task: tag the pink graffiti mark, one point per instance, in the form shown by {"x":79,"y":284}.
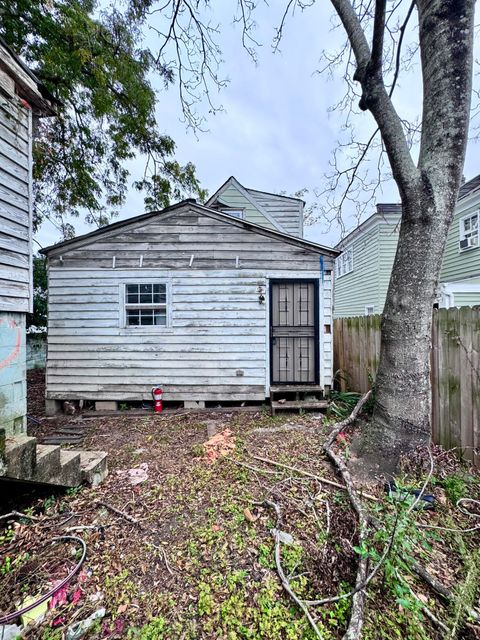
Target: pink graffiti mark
{"x":16,"y":350}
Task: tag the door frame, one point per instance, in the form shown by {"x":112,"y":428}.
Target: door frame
{"x":316,"y":319}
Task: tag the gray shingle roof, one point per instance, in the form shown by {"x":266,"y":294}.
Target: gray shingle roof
{"x":468,"y":187}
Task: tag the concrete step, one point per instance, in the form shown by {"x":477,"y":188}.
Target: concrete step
{"x":298,"y":404}
{"x":93,"y":465}
{"x":69,"y":473}
{"x":24,"y":459}
{"x":20,"y":457}
{"x":48,"y":462}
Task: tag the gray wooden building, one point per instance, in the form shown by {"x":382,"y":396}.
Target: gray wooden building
{"x":22,"y":99}
{"x":209,"y":302}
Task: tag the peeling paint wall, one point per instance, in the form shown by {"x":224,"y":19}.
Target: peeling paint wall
{"x":13,"y":406}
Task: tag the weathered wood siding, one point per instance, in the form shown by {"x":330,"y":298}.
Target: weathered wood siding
{"x":287,"y":211}
{"x":13,"y":406}
{"x":216,"y":342}
{"x":15,"y":201}
{"x":455,"y":372}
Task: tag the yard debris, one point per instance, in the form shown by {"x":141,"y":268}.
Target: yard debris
{"x":136,"y":475}
{"x":117,"y":512}
{"x":35,"y":615}
{"x":249,"y":515}
{"x":221,"y":444}
{"x":425,"y":501}
{"x":79,"y":629}
{"x":195,"y":512}
{"x":283,"y":536}
{"x":10,"y":632}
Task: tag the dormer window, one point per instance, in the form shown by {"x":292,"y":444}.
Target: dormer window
{"x":235,"y":213}
{"x":469,"y":226}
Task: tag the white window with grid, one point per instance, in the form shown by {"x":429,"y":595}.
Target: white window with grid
{"x":469,"y":234}
{"x":145,"y":304}
{"x":344,"y":263}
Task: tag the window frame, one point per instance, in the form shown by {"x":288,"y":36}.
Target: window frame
{"x":228,"y":212}
{"x":369,"y":306}
{"x":346,"y":263}
{"x":461,"y":230}
{"x":161,"y":305}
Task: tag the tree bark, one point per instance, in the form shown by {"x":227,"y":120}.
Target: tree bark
{"x":428,"y":193}
{"x":402,"y":415}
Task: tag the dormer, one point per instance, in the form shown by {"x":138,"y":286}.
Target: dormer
{"x":281,"y":213}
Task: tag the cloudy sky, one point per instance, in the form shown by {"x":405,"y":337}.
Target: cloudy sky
{"x":277,"y":131}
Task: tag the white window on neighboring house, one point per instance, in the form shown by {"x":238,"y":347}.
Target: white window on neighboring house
{"x":369,"y":310}
{"x":469,"y":234}
{"x":344,"y":263}
{"x":235,"y":213}
{"x":145,"y":304}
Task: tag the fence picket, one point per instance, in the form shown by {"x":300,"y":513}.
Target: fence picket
{"x":455,"y":371}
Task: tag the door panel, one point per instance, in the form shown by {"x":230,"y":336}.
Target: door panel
{"x":293,"y":331}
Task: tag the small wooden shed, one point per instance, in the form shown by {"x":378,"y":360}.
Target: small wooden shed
{"x":22,"y":99}
{"x":201,"y":301}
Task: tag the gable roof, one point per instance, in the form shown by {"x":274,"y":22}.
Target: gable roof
{"x":204,"y":210}
{"x":469,"y":187}
{"x":29,"y":86}
{"x":393,"y":211}
{"x":279,"y":196}
{"x":246,"y":193}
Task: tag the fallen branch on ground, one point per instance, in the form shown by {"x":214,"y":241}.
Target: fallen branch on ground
{"x":355,"y":624}
{"x":440,"y":588}
{"x":426,"y":610}
{"x":252,"y":468}
{"x":284,"y":580}
{"x":284,"y":427}
{"x":18,"y":514}
{"x":302,"y":472}
{"x":118,"y":512}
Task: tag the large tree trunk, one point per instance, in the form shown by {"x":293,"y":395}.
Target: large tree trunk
{"x":428,"y":191}
{"x":403,"y":393}
{"x":403,"y":399}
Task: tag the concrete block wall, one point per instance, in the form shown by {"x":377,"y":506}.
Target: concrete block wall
{"x":13,"y":403}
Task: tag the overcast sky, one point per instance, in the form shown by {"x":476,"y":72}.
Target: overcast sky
{"x":276,"y":132}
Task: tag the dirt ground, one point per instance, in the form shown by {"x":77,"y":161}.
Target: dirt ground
{"x":179,"y":544}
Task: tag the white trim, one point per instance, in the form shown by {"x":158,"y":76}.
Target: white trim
{"x":376,"y":219}
{"x":449,"y":289}
{"x":367,"y":307}
{"x":267,"y":336}
{"x":461,"y":231}
{"x":231,"y":211}
{"x":344,"y":259}
{"x":122,"y":317}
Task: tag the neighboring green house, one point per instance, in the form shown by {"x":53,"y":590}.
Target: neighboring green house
{"x":362,"y":271}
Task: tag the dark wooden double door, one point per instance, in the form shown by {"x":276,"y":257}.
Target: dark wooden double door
{"x":294,"y":331}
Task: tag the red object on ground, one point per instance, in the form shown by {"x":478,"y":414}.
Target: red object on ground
{"x":157,"y":393}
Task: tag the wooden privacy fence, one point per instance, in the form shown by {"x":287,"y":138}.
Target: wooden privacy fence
{"x":455,"y":371}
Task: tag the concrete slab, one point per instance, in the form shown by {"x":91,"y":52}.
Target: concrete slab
{"x":106,"y":405}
